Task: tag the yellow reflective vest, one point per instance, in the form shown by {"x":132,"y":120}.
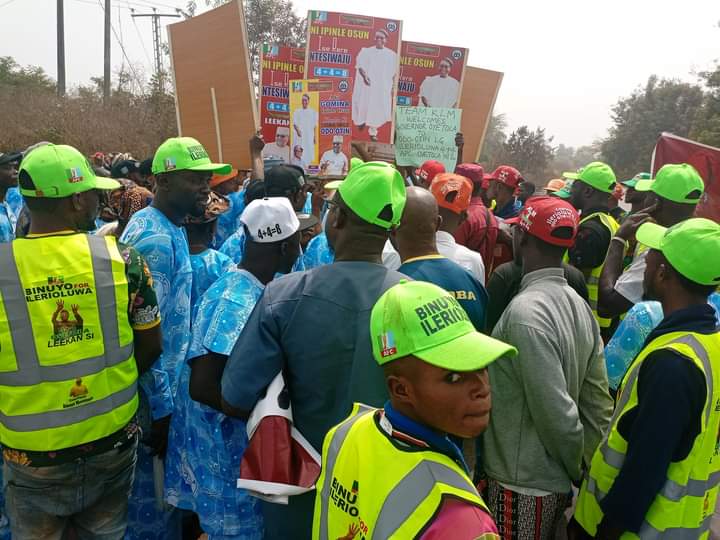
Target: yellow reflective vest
{"x":593,"y":280}
{"x":685,"y":504}
{"x":67,"y":371}
{"x":372,"y":488}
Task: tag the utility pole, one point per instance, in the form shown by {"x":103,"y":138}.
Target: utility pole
{"x":60,"y":48}
{"x":106,"y":74}
{"x":156,"y":40}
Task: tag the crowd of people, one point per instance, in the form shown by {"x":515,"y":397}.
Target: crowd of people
{"x":448,"y":354}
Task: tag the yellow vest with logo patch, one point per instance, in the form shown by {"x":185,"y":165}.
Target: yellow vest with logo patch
{"x":684,"y":506}
{"x":373,"y":489}
{"x":67,"y":371}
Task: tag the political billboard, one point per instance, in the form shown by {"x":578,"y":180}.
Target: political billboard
{"x":430,"y":75}
{"x":278,"y":66}
{"x":361,"y":54}
{"x":320,"y":127}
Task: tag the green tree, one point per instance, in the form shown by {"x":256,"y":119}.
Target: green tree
{"x":638,"y":120}
{"x":530,"y":152}
{"x":491,"y":154}
{"x":13,"y":74}
{"x":706,"y":127}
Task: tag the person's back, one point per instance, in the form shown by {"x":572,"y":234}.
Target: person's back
{"x":443,"y":272}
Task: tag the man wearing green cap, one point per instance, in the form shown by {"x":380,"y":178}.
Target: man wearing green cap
{"x":656,"y":472}
{"x":635,"y":198}
{"x":314,"y":327}
{"x":592,"y":186}
{"x":182,"y":172}
{"x":67,"y":418}
{"x":395,"y":472}
{"x":672,"y":198}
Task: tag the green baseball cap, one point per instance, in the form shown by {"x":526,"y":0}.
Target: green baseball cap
{"x":634,"y":180}
{"x":421,"y":319}
{"x":679,"y":183}
{"x":57,"y":171}
{"x":370,"y":189}
{"x":355,"y":162}
{"x":596,"y":174}
{"x":692,"y":247}
{"x":185,"y":154}
{"x":564,"y":193}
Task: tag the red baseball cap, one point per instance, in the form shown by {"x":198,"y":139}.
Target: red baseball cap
{"x":505,"y":174}
{"x":429,"y":169}
{"x":474,"y":172}
{"x":550,"y":219}
{"x":445,"y":184}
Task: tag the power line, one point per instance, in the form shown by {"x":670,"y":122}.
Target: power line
{"x":142,"y":42}
{"x":122,"y":48}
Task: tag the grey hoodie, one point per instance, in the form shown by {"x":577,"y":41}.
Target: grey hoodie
{"x":550,"y":404}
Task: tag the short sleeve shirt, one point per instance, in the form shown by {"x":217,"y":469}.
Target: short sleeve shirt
{"x":318,"y":252}
{"x":207,"y":267}
{"x":8,"y":219}
{"x":229,"y":222}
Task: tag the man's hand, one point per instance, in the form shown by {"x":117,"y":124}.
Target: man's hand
{"x":75,"y":308}
{"x":256,"y":142}
{"x":459,"y":140}
{"x":158,"y":440}
{"x":632,"y":223}
{"x":60,"y":305}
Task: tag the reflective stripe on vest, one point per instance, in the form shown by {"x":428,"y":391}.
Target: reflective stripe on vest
{"x":78,"y":400}
{"x":30,"y":371}
{"x":673,"y":492}
{"x":403,"y":500}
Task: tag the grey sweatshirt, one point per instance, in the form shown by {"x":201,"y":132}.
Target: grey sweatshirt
{"x":550,"y":404}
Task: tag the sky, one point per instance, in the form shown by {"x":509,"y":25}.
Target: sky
{"x":565,"y":63}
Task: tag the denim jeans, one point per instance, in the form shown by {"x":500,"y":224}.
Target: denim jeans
{"x":88,"y":494}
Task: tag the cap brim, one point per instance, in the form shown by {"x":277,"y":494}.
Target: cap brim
{"x":630,"y":183}
{"x":333,"y":185}
{"x":470,"y":352}
{"x":571,"y":175}
{"x":562,"y":193}
{"x":512,"y":220}
{"x":307,"y":221}
{"x":219,"y":168}
{"x":644,"y":185}
{"x":100,"y":182}
{"x":651,"y":234}
{"x":10,"y":157}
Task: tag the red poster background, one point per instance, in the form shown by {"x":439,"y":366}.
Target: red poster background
{"x":334,"y":41}
{"x":420,"y":60}
{"x":278,"y":66}
{"x":706,"y":159}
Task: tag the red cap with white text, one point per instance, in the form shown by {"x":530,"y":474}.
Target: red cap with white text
{"x":550,"y":219}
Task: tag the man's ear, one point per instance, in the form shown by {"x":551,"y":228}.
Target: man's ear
{"x":340,"y":219}
{"x":399,"y":389}
{"x":76,"y":199}
{"x":438,"y":223}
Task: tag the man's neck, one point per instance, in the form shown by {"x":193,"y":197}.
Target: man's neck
{"x":263,"y":271}
{"x":161,"y":206}
{"x":670,"y":219}
{"x":3,"y":192}
{"x":417,"y":249}
{"x":532,"y":264}
{"x":675,"y":301}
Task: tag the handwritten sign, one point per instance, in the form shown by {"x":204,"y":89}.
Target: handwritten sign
{"x":423,"y":133}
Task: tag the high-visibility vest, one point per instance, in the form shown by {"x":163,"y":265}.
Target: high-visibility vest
{"x":370,"y":486}
{"x":685,"y":504}
{"x":67,"y":370}
{"x":593,"y":280}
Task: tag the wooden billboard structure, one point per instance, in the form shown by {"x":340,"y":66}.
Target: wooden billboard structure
{"x":477,"y":100}
{"x":214,"y":94}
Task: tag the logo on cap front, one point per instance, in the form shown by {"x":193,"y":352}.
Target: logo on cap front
{"x":170,"y":164}
{"x":387,"y":345}
{"x":74,"y":175}
{"x":197,"y":152}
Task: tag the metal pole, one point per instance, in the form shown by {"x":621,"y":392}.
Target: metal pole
{"x":60,"y":48}
{"x":106,"y":75}
{"x":156,"y":44}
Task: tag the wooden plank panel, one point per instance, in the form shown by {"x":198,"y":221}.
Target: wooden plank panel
{"x":477,"y":99}
{"x":210,"y":52}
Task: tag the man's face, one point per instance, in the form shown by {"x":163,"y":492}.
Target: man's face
{"x":457,"y":403}
{"x":492,"y":191}
{"x":633,"y":196}
{"x":576,"y":195}
{"x":298,"y":152}
{"x":517,"y":235}
{"x":380,"y":40}
{"x":305,"y":102}
{"x":336,"y":147}
{"x":89,"y":209}
{"x":64,"y":315}
{"x":9,"y":175}
{"x":444,"y":69}
{"x":654,"y":270}
{"x":292,"y":252}
{"x":281,"y":139}
{"x":330,"y":231}
{"x":189,"y":191}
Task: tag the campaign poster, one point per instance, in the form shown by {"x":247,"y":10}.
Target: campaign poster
{"x":362,"y":55}
{"x":320,"y":127}
{"x":430,"y":75}
{"x":278,"y":66}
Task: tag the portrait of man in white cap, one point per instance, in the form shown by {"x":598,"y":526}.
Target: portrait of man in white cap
{"x":280,"y":148}
{"x":440,"y":90}
{"x":305,"y":123}
{"x":376,"y":69}
{"x":333,"y":161}
{"x":298,"y":157}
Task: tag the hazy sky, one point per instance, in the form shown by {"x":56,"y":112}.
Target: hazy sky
{"x":565,"y":62}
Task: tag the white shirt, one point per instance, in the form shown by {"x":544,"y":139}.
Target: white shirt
{"x":468,"y":259}
{"x":337,"y":163}
{"x":306,"y":120}
{"x":630,"y":283}
{"x":273,"y":150}
{"x":439,"y":91}
{"x":301,"y":162}
{"x":390,"y":257}
{"x":372,"y":105}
